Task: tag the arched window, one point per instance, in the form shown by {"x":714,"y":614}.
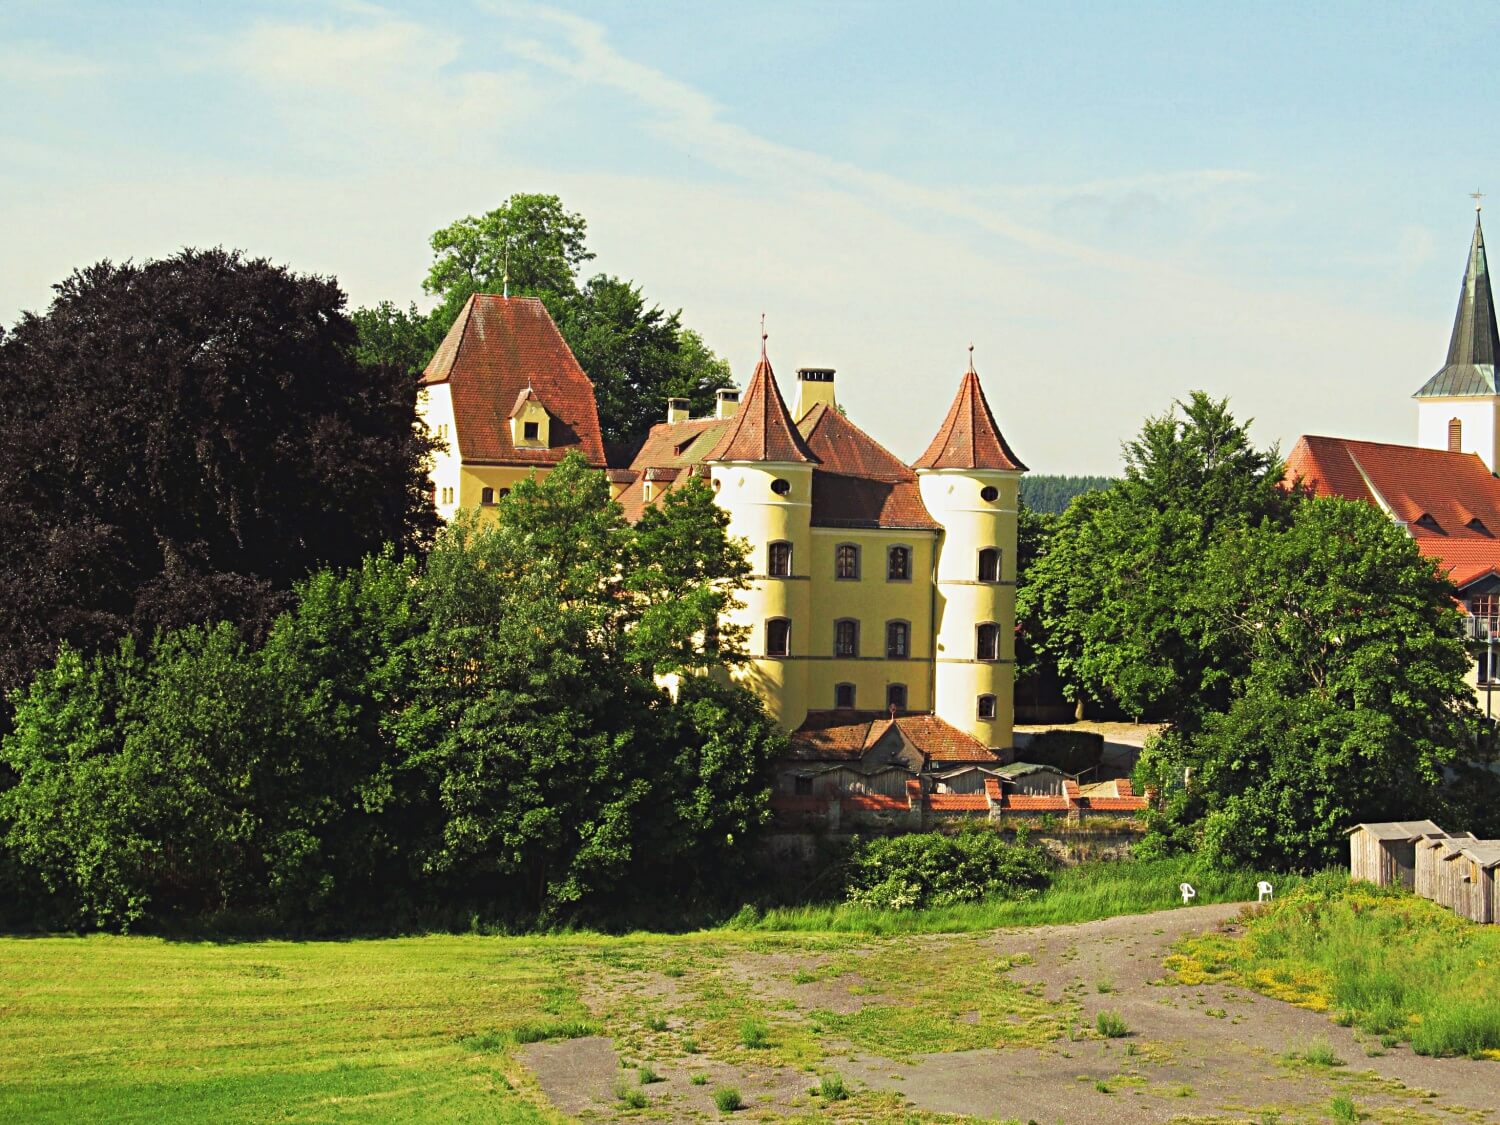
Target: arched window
{"x":779,"y":565}
{"x":987,"y":641}
{"x":989,"y":565}
{"x":895,"y":696}
{"x":846,"y":637}
{"x":486,"y":495}
{"x":843,"y":696}
{"x":986,"y":707}
{"x":846,"y":561}
{"x":897,"y":640}
{"x":1455,"y":436}
{"x":898,"y":564}
{"x":778,"y":637}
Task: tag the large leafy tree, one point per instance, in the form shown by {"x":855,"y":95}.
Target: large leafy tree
{"x":1112,"y":590}
{"x":637,"y":354}
{"x":1351,"y":700}
{"x":183,"y":440}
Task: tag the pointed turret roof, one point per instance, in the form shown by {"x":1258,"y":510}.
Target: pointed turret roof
{"x":969,"y":437}
{"x":1470,"y":369}
{"x":762,"y":429}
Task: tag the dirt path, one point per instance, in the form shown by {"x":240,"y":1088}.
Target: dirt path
{"x":1193,"y":1053}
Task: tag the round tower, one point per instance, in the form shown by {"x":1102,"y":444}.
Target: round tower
{"x":970,"y":481}
{"x":761,"y":472}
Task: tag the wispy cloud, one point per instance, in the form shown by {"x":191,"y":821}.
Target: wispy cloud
{"x":41,"y":66}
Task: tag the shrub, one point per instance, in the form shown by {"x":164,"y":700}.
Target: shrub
{"x":1342,"y":1108}
{"x":1110,"y":1025}
{"x":647,"y":1075}
{"x":728,"y":1099}
{"x":931,"y":869}
{"x":699,"y":1080}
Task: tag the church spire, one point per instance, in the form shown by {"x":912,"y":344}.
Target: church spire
{"x":1470,"y":369}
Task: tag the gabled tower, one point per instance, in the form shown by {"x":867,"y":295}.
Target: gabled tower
{"x":971,"y":483}
{"x":761,"y":472}
{"x":1458,"y":409}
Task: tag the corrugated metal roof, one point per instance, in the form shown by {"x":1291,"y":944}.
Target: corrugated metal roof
{"x":1399,"y":829}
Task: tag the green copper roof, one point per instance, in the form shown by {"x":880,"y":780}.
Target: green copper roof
{"x":1472,"y":351}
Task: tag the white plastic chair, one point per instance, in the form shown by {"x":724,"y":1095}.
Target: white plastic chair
{"x":1188,"y":894}
{"x":1265,"y":890}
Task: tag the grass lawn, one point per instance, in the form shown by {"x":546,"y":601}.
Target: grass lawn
{"x":1383,"y":960}
{"x":1077,"y":894}
{"x":425,"y":1028}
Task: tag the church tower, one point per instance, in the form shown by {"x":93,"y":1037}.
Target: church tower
{"x":1458,"y":409}
{"x":761,"y":473}
{"x":971,"y":482}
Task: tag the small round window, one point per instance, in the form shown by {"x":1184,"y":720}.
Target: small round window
{"x":716,"y":484}
{"x":989,"y":493}
{"x":781,"y":487}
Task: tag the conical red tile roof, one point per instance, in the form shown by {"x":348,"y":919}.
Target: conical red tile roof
{"x":969,"y":437}
{"x":762,"y":429}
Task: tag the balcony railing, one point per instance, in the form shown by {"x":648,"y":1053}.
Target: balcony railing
{"x":1481,"y":628}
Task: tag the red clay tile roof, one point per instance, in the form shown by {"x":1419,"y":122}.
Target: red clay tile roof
{"x":496,"y":348}
{"x":846,"y":735}
{"x":969,"y":437}
{"x":1449,"y":501}
{"x":957,"y":802}
{"x":858,"y":482}
{"x":762,"y":429}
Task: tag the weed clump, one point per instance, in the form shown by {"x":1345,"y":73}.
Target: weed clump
{"x":728,"y":1099}
{"x":831,"y":1088}
{"x":754,"y":1033}
{"x":1110,"y":1025}
{"x":631,"y":1097}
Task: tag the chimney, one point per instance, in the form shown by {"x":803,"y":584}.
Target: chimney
{"x":728,"y":402}
{"x":677,"y":410}
{"x":814,"y":386}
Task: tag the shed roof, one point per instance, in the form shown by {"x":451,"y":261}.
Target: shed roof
{"x":1409,"y":830}
{"x":1486,"y":853}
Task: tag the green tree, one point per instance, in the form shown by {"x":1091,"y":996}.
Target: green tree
{"x":1352,"y":698}
{"x":637,"y":353}
{"x":1113,"y":591}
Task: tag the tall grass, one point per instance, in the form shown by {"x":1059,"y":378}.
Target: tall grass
{"x":1384,"y":960}
{"x":1083,"y":893}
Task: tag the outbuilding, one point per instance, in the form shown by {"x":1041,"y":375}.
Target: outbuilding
{"x":1430,"y":854}
{"x":1386,"y":854}
{"x":1468,"y":879}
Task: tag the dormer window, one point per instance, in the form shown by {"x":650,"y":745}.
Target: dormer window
{"x":530,"y":424}
{"x":533,"y":431}
{"x":1425,"y":520}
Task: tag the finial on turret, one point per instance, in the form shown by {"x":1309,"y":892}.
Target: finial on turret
{"x":971,"y":360}
{"x":1476,"y":196}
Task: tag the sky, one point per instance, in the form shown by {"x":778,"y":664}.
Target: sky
{"x":1116,"y":204}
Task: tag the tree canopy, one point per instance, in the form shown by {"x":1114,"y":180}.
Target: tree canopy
{"x":484,"y":732}
{"x":181,"y":441}
{"x":637,"y":354}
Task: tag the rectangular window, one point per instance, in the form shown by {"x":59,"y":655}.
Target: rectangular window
{"x":898,"y":564}
{"x":846,"y":638}
{"x":486,"y":495}
{"x":987,"y":642}
{"x":989,"y":565}
{"x":843,"y":696}
{"x":986,"y":706}
{"x":846,"y":561}
{"x":532,"y":431}
{"x":778,"y":637}
{"x":897,"y":640}
{"x":780,"y":560}
{"x":895,"y":696}
{"x":1487,"y":670}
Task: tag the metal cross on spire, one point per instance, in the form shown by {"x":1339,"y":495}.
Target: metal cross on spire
{"x":1476,"y":196}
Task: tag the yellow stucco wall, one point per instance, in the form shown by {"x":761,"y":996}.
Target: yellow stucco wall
{"x":970,"y":524}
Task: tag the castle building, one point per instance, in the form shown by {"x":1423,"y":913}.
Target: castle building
{"x":880,"y":591}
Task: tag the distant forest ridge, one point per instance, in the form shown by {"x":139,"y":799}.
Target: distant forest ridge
{"x":1052,"y":494}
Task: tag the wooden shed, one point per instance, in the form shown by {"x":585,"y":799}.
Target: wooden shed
{"x":1467,"y":879}
{"x":1386,"y":854}
{"x":1430,"y":853}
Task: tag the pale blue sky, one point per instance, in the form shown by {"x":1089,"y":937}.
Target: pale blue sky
{"x":1116,"y":203}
